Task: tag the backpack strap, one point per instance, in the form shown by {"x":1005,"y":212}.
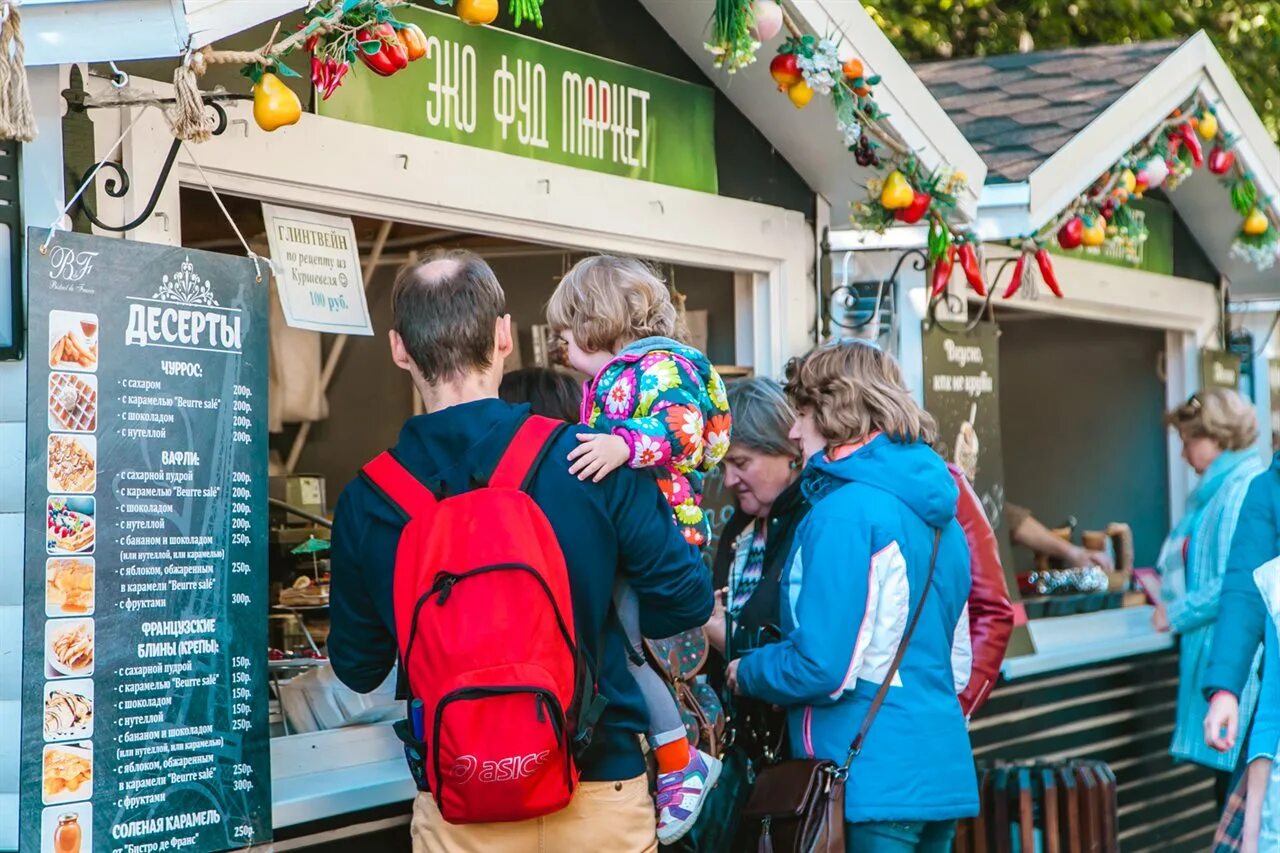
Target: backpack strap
{"x":530,"y":444}
{"x":403,"y":490}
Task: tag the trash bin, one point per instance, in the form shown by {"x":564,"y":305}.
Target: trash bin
{"x":1043,"y":807}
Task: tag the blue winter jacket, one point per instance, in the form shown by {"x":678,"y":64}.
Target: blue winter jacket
{"x":1241,"y":615}
{"x":857,"y":570}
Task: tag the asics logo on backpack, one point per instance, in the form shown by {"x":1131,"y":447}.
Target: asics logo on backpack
{"x":501,"y":770}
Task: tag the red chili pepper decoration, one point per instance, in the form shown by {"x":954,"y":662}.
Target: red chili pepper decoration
{"x":1221,"y":160}
{"x":1046,"y":270}
{"x":1192,"y":142}
{"x":1019,"y":269}
{"x":972,"y":272}
{"x":942,"y":272}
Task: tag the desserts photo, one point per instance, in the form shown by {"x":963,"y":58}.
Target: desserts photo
{"x":73,"y":340}
{"x":69,"y":586}
{"x":68,"y":710}
{"x":73,"y":402}
{"x":73,"y":463}
{"x":68,"y":648}
{"x":68,"y":772}
{"x":69,"y":527}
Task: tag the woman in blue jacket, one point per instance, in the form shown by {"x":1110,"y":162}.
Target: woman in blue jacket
{"x":857,"y":572}
{"x":1218,"y":429}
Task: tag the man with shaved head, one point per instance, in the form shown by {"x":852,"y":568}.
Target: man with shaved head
{"x":451,"y":333}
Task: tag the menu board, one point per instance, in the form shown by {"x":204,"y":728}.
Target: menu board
{"x":144,"y":723}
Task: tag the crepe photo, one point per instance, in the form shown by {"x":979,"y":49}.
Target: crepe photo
{"x":68,"y":772}
{"x":68,"y":586}
{"x":73,"y":463}
{"x":68,"y":710}
{"x":69,"y":526}
{"x":68,"y":648}
{"x":73,"y":340}
{"x":73,"y":402}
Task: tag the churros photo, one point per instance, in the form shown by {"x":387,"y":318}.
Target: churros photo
{"x":73,"y":341}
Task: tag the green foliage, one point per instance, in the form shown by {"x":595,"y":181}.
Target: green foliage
{"x":1247,"y":33}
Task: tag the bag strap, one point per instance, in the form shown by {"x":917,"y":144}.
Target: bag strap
{"x":530,"y":444}
{"x":403,"y":490}
{"x":856,"y":747}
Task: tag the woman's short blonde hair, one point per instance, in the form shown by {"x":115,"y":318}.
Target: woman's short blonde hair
{"x":852,"y":390}
{"x":607,"y":302}
{"x":1217,"y":414}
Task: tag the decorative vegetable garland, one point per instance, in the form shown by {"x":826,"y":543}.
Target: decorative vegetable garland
{"x":337,"y":34}
{"x":1165,"y":158}
{"x":806,"y":66}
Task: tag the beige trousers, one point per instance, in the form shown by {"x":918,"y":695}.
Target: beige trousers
{"x":603,"y":817}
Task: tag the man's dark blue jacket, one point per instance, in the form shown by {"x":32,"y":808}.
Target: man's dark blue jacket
{"x":621,"y":527}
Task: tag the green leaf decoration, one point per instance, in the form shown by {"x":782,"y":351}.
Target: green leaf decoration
{"x":873,"y":80}
{"x":349,"y":5}
{"x":285,"y":71}
{"x":370,"y":47}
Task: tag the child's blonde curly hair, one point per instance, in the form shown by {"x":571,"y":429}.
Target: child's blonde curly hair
{"x":608,"y":302}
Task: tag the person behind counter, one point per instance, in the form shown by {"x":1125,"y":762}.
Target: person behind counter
{"x":1026,"y":531}
{"x":1218,"y":429}
{"x":451,"y":333}
{"x":882,"y":502}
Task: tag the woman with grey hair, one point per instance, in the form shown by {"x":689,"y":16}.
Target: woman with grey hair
{"x":762,"y":470}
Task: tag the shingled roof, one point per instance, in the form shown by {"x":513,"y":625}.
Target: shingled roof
{"x":1018,"y":109}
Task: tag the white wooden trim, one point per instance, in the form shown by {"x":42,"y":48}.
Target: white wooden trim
{"x":1182,"y":377}
{"x":411,"y":179}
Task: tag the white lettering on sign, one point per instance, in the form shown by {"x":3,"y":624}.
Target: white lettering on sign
{"x":183,"y":328}
{"x":453,"y":105}
{"x":961,"y":356}
{"x":1224,"y":375}
{"x":70,"y":265}
{"x":520,"y":98}
{"x":603,"y":120}
{"x":974,"y":386}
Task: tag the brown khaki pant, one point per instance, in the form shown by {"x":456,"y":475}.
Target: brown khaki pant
{"x":603,"y":817}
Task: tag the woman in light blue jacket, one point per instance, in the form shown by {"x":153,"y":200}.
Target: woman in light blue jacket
{"x":1218,"y":429}
{"x":856,"y":576}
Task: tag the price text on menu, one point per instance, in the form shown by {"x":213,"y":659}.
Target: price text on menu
{"x":144,"y":718}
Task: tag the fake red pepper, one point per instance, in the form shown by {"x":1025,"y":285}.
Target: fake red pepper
{"x":915,"y":211}
{"x":390,"y":56}
{"x":1192,"y":141}
{"x":972,"y":271}
{"x":1221,"y":160}
{"x":1071,"y":234}
{"x":413,"y":40}
{"x":942,"y":272}
{"x":1019,"y":269}
{"x":1046,"y":271}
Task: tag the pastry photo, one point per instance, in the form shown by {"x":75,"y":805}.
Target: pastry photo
{"x":73,"y":463}
{"x":73,"y":341}
{"x":69,"y":527}
{"x":73,"y":402}
{"x":68,"y":710}
{"x":68,"y":586}
{"x":68,"y":648}
{"x":68,"y":772}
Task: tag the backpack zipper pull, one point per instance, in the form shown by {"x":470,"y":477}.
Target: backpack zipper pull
{"x":444,"y":585}
{"x":538,"y":705}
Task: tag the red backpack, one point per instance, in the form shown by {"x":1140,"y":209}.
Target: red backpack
{"x":502,"y":699}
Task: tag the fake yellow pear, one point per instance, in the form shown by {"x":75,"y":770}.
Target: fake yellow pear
{"x":800,"y":94}
{"x":1095,"y":233}
{"x":1208,"y":126}
{"x":897,"y":193}
{"x":274,"y":104}
{"x":1256,"y":223}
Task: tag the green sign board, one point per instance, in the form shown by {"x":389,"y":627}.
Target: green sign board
{"x":1153,"y":254}
{"x":1219,"y":369}
{"x":506,"y":92}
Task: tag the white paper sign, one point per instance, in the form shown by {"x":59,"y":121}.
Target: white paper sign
{"x":317,"y":265}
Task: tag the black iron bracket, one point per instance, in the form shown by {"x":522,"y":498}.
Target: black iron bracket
{"x":920,"y":263}
{"x":120,"y":185}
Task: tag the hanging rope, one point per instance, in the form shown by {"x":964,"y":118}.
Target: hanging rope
{"x":16,"y":119}
{"x":254,"y":256}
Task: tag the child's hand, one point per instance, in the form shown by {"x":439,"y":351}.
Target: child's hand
{"x":598,"y":456}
